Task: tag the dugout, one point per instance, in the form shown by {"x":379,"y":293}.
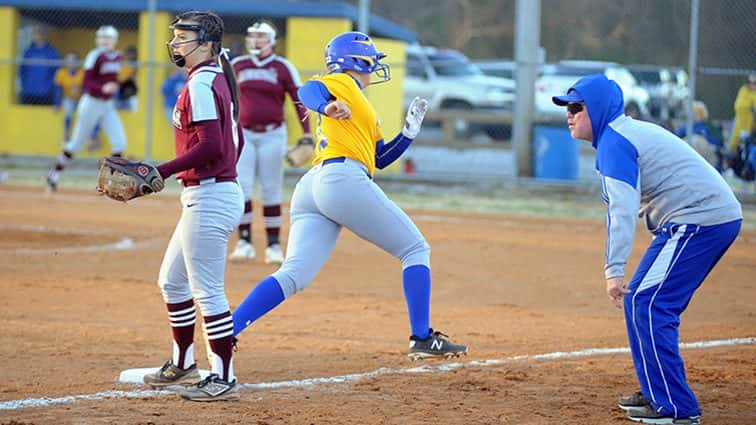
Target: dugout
{"x":303,"y":30}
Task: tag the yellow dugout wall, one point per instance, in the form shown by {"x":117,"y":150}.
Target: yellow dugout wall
{"x":38,"y":130}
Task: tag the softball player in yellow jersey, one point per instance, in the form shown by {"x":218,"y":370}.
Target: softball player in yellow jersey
{"x":68,"y":81}
{"x":339,"y":192}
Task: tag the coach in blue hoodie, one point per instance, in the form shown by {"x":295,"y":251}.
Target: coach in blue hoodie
{"x":650,"y":173}
{"x":38,"y":70}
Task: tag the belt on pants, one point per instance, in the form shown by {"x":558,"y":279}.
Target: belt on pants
{"x":342,"y":159}
{"x":209,"y":180}
{"x":264,"y":128}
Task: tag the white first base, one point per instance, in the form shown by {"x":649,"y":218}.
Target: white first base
{"x":136,"y":376}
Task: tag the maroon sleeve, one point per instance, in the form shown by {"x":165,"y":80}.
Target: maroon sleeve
{"x":292,"y":89}
{"x":207,"y":149}
{"x":91,"y":83}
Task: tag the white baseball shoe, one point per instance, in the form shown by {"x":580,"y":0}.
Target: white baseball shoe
{"x":244,"y":251}
{"x":273,"y":254}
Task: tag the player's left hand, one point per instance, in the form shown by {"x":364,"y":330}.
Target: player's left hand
{"x":615,"y":290}
{"x":414,"y":120}
{"x":122,"y":180}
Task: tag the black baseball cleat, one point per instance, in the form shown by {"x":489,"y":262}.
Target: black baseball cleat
{"x":633,"y":400}
{"x":647,"y":415}
{"x":434,"y":346}
{"x":212,"y":388}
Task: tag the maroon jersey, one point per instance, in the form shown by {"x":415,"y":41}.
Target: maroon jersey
{"x":263,"y":84}
{"x":205,"y":98}
{"x":101,"y":67}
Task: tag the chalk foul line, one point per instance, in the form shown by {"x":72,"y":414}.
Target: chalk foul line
{"x":311,"y":382}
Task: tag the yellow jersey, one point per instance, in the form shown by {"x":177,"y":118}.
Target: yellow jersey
{"x":70,"y":83}
{"x":353,"y":138}
{"x":127,"y":72}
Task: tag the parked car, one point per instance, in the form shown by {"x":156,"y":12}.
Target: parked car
{"x":658,"y":83}
{"x":449,"y":80}
{"x":667,"y":87}
{"x":498,"y":68}
{"x":680,"y":92}
{"x":506,"y":68}
{"x":562,"y":76}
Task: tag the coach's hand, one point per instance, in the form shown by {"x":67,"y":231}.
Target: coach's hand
{"x":615,"y":289}
{"x":338,"y":110}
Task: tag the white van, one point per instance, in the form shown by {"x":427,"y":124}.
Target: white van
{"x":449,"y":80}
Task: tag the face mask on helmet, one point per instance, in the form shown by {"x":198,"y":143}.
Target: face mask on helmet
{"x":106,"y":37}
{"x":178,"y":59}
{"x":355,"y":51}
{"x":261,"y":37}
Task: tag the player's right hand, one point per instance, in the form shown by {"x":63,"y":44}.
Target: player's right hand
{"x":338,"y":110}
{"x":110,"y":87}
{"x":616,"y":290}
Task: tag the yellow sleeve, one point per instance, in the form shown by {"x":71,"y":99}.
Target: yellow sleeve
{"x":340,"y":86}
{"x":744,"y":106}
{"x":79,"y":77}
{"x":743,"y":100}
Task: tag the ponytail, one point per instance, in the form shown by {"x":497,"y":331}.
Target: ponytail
{"x":228,"y":71}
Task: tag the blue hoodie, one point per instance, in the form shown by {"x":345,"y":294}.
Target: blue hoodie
{"x":39,"y":79}
{"x":648,"y":172}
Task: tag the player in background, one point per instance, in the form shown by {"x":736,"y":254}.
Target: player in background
{"x":97,"y":105}
{"x":68,"y":82}
{"x":694,"y":218}
{"x":338,"y":191}
{"x":264,"y":80}
{"x":208,"y":144}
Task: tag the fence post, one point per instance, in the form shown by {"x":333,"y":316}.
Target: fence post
{"x":527,"y":52}
{"x":692,"y":65}
{"x":149,"y":121}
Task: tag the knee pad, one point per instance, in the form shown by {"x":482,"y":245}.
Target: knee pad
{"x":291,"y":281}
{"x":417,"y":254}
{"x":174,"y":293}
{"x":211,"y":302}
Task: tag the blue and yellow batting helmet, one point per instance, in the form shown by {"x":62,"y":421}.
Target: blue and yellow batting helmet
{"x":356,"y":51}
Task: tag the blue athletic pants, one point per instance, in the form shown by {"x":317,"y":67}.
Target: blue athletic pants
{"x":674,"y":266}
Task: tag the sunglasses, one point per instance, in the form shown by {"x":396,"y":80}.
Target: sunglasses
{"x":574,"y":108}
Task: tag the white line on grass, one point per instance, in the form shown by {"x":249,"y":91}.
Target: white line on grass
{"x":311,"y":382}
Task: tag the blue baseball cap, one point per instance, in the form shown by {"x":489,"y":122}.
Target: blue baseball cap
{"x":572,"y":96}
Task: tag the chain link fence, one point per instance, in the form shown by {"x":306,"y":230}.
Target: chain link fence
{"x":52,"y":40}
{"x":43,"y":63}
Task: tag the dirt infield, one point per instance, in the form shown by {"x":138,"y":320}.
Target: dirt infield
{"x":75,"y":311}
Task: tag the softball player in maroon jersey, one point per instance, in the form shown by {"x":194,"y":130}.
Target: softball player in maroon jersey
{"x":101,"y":68}
{"x":264,"y":80}
{"x":208,"y":143}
